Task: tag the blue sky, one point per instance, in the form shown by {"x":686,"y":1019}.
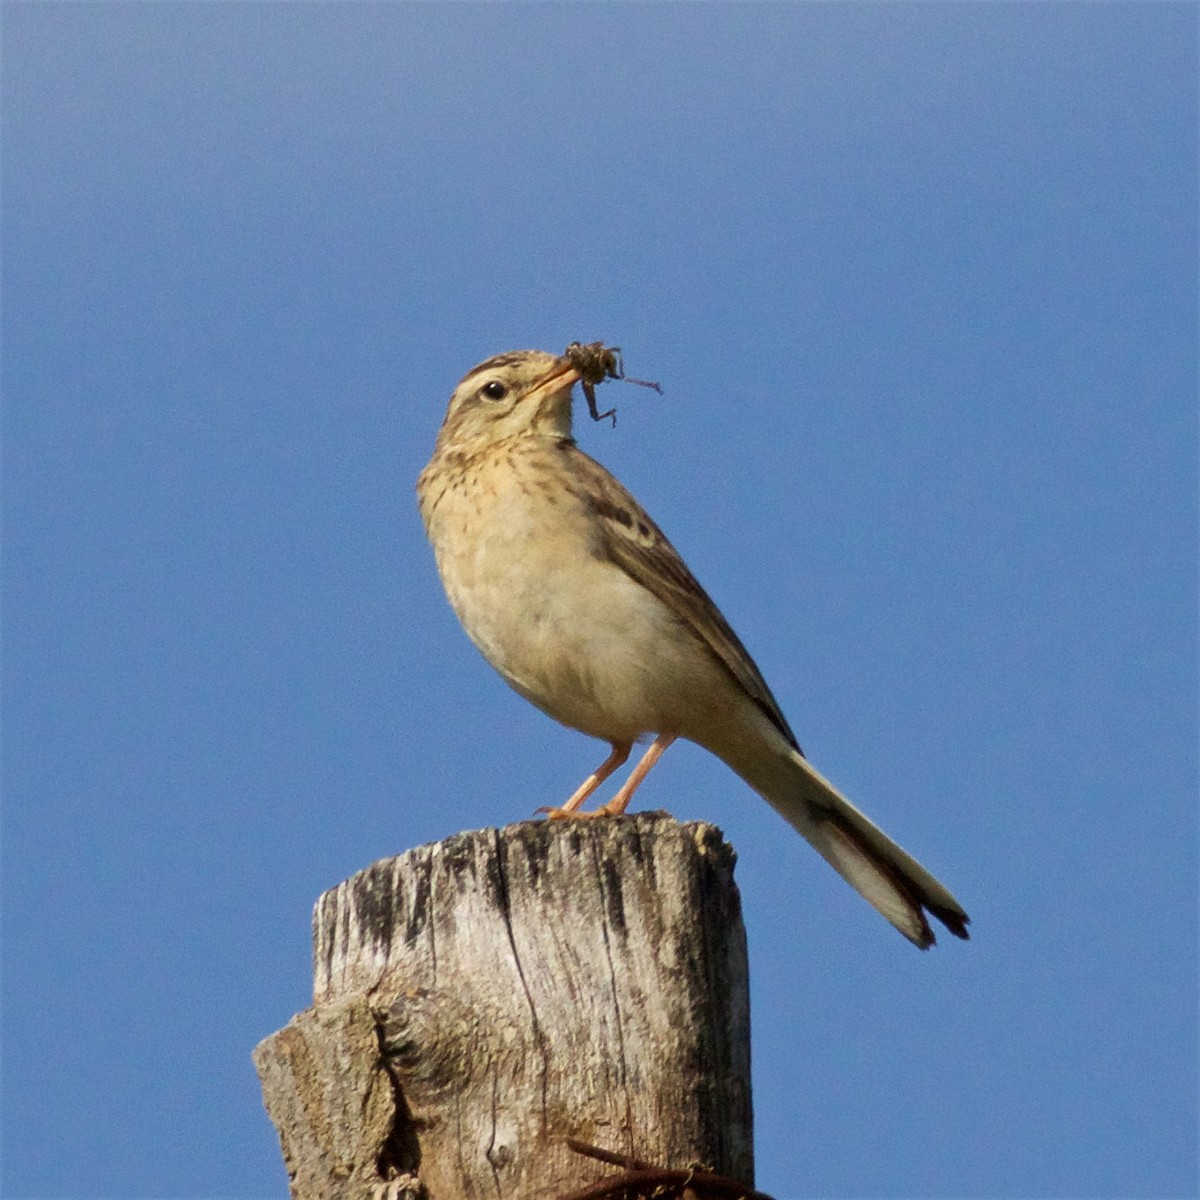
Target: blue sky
{"x":919,"y":282}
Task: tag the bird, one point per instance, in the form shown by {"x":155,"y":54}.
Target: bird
{"x":576,"y":597}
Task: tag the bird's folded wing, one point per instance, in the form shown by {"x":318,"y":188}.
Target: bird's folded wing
{"x":636,"y":544}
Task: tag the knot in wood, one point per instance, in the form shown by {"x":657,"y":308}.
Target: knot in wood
{"x":434,"y":1042}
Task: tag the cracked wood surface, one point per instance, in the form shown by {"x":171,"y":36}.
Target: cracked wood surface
{"x":479,"y":1000}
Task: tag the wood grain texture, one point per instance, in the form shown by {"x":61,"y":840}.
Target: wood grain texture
{"x":550,"y":979}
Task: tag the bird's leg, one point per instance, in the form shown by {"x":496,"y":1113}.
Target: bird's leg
{"x":618,"y":804}
{"x":620,"y":752}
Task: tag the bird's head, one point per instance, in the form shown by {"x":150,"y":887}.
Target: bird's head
{"x":521,"y":392}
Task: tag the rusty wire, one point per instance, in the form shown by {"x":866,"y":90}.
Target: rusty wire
{"x":642,"y":1179}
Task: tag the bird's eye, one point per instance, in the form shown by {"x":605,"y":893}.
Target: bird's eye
{"x":494,"y":390}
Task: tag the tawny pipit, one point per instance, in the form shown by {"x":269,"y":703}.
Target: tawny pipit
{"x":575,"y":596}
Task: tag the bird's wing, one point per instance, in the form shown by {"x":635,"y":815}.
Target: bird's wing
{"x":636,"y":544}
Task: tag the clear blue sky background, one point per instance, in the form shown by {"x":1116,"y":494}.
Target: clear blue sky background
{"x":919,"y":282}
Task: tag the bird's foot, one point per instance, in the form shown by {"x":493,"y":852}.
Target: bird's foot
{"x":567,"y":814}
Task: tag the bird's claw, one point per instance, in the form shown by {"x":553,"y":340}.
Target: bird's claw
{"x":563,"y":814}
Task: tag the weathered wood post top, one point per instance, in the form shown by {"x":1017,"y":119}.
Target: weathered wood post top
{"x":481,"y":1000}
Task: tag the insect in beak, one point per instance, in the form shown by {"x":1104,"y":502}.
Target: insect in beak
{"x":595,"y":363}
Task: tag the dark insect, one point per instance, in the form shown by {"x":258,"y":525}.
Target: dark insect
{"x":595,"y":363}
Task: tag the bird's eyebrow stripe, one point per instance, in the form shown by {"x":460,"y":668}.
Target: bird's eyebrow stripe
{"x":499,"y":360}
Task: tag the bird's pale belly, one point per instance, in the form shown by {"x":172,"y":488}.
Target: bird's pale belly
{"x":585,"y":643}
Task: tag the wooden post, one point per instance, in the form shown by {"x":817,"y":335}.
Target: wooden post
{"x":480,"y":1000}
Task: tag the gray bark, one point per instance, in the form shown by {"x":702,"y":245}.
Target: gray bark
{"x":479,"y":1000}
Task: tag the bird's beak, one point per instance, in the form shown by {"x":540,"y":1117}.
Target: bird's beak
{"x":548,"y":403}
{"x":563,"y":376}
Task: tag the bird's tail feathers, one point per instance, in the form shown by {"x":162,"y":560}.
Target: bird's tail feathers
{"x":886,"y":876}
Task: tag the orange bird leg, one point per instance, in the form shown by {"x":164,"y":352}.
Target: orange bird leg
{"x":617,"y":805}
{"x":620,"y":752}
